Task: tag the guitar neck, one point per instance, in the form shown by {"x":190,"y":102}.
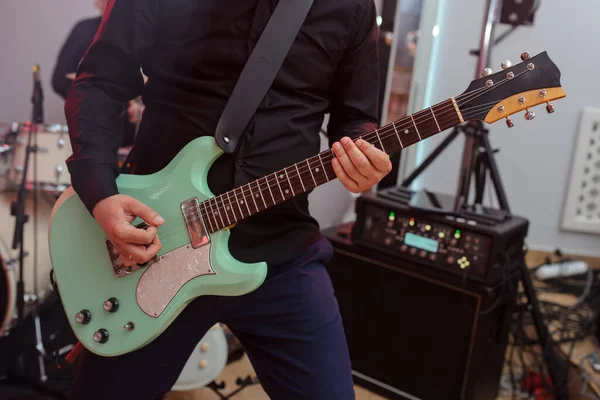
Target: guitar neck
{"x":230,"y":207}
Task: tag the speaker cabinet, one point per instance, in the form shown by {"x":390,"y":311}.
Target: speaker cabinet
{"x":417,"y":333}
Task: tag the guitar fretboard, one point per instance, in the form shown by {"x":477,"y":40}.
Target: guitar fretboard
{"x":230,"y":207}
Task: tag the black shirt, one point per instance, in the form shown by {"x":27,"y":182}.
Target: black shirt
{"x":192,"y":54}
{"x":78,"y":41}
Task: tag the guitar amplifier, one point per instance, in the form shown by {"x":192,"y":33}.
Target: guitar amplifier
{"x":440,"y":240}
{"x":416,"y":333}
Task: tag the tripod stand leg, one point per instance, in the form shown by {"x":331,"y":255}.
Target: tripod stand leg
{"x":466,"y":168}
{"x":557,"y":370}
{"x":441,"y":147}
{"x":494,"y":173}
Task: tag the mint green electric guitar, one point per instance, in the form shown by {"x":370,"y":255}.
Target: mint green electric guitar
{"x":115,"y":310}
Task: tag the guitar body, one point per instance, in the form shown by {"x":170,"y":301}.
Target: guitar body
{"x":151,"y":297}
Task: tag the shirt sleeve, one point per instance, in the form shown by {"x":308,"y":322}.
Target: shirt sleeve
{"x":354,"y":105}
{"x":107,"y":78}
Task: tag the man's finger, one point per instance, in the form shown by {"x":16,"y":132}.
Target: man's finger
{"x":346,"y":164}
{"x":359,"y":160}
{"x":378,"y":158}
{"x":127,"y":233}
{"x":348,"y":182}
{"x":139,"y":209}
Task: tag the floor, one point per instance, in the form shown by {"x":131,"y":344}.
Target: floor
{"x":242,"y":368}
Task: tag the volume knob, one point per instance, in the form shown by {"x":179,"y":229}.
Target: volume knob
{"x":101,"y":336}
{"x":83,"y":317}
{"x":111,"y":305}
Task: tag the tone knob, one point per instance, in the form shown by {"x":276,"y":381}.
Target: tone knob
{"x":509,"y":123}
{"x":83,"y":317}
{"x":101,"y":336}
{"x":549,"y":108}
{"x":525,"y":56}
{"x":202,"y":364}
{"x":487,"y":72}
{"x":506,"y":64}
{"x":204,"y":347}
{"x":111,"y":305}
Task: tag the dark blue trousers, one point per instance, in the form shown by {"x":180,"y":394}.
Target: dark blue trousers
{"x":290,"y":327}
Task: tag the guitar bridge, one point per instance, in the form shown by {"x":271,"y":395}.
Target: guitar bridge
{"x":194,"y":223}
{"x":119,"y":269}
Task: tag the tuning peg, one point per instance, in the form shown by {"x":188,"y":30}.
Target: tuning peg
{"x":525,"y":56}
{"x":549,"y":108}
{"x":506,"y":64}
{"x":529,"y":115}
{"x":487,"y":71}
{"x":509,"y":122}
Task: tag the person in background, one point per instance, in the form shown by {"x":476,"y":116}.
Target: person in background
{"x":71,"y":53}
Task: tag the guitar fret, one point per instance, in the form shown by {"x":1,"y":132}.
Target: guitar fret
{"x":202,"y":205}
{"x":261,"y":193}
{"x":231,"y":207}
{"x":225,"y":210}
{"x":238,"y":203}
{"x":252,"y":196}
{"x":311,"y":173}
{"x":270,"y":191}
{"x":300,"y":176}
{"x":213,"y":217}
{"x":417,"y":129}
{"x":435,"y":119}
{"x":323,"y":165}
{"x":220,"y":213}
{"x":289,"y":181}
{"x":278,"y":184}
{"x":245,"y":200}
{"x":397,"y":135}
{"x":379,"y":138}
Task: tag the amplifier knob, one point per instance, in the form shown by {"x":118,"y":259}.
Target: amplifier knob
{"x":403,"y":247}
{"x":422,"y":254}
{"x":413,"y":251}
{"x":432,"y":257}
{"x":450,"y":260}
{"x":388,"y":241}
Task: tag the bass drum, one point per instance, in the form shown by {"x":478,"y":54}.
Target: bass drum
{"x":206,"y":362}
{"x":8,"y":290}
{"x":44,"y":265}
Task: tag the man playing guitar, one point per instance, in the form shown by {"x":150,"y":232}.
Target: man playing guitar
{"x":192,"y":53}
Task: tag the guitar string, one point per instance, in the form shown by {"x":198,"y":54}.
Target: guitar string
{"x":382,"y":133}
{"x":293,"y":184}
{"x":247,"y":189}
{"x":419,"y":116}
{"x":196,"y":214}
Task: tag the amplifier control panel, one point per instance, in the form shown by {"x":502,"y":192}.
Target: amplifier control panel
{"x":426,"y":240}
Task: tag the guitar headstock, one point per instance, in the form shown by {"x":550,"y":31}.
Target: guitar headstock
{"x":532,"y":82}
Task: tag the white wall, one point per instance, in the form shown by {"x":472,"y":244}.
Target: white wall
{"x":535,"y":157}
{"x":33,"y":31}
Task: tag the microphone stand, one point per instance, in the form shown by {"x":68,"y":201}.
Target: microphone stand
{"x":18,"y":210}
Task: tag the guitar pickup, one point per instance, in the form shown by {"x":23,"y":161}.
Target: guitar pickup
{"x":194,"y":223}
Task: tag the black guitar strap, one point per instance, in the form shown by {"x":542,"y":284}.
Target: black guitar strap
{"x":260,"y":70}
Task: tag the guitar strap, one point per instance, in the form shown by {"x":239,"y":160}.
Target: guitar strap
{"x":260,"y":71}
